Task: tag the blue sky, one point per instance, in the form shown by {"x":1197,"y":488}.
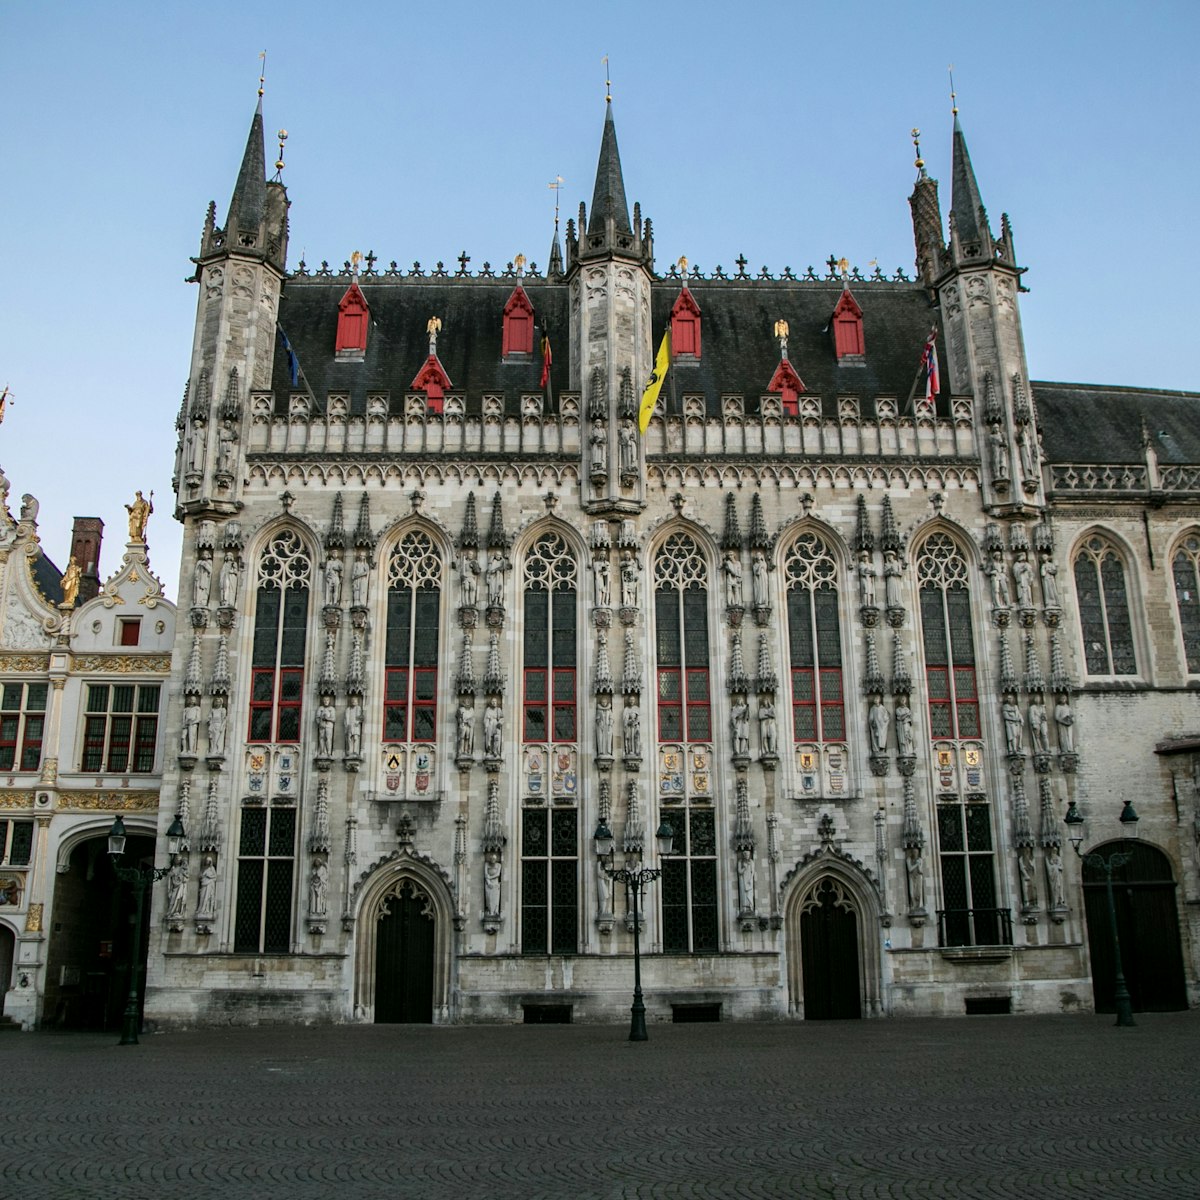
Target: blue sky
{"x":779,"y":130}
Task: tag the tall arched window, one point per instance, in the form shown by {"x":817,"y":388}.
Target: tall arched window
{"x":280,"y":632}
{"x":411,"y":645}
{"x":267,"y":835}
{"x":964,"y":822}
{"x":1104,"y":609}
{"x":1185,"y":567}
{"x":550,"y":834}
{"x":814,"y":641}
{"x":946,"y":635}
{"x":689,"y":879}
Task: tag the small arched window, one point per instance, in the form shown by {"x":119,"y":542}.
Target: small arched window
{"x":685,"y":326}
{"x":1104,"y":609}
{"x":1185,"y":568}
{"x":848,"y":339}
{"x":518,"y":325}
{"x":353,"y":315}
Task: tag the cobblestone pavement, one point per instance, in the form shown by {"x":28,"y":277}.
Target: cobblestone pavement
{"x":1019,"y":1107}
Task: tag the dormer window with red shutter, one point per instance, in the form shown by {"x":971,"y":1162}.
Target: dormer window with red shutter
{"x":434,"y":382}
{"x":847,"y":325}
{"x":353,"y":318}
{"x":518,"y":326}
{"x":685,"y":327}
{"x":789,"y":385}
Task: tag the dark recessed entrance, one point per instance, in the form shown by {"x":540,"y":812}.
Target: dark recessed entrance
{"x":829,"y":954}
{"x":1148,"y":925}
{"x":404,"y":957}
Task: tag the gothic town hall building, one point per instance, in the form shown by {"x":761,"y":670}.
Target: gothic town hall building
{"x":445,"y":613}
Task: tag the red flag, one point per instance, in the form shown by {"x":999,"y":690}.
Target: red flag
{"x":547,"y":359}
{"x":929,"y":366}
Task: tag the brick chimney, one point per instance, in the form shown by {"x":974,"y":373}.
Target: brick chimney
{"x":85,"y":550}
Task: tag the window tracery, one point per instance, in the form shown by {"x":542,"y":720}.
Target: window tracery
{"x":1104,"y":615}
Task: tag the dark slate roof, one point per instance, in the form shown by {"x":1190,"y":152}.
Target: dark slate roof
{"x":249,"y":201}
{"x":965,"y":202}
{"x":47,"y":577}
{"x":1086,"y":423}
{"x":739,"y":350}
{"x":608,"y":196}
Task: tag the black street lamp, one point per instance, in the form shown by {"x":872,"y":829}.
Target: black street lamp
{"x":635,"y":880}
{"x":1108,"y":863}
{"x":139,"y":877}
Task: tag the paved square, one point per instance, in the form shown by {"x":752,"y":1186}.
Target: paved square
{"x":1018,"y":1107}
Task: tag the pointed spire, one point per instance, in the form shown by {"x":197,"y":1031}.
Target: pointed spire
{"x":335,"y":539}
{"x":220,"y":676}
{"x":493,"y":678}
{"x":873,"y":681}
{"x":737,"y":682}
{"x":891,"y":539}
{"x":1022,"y":831}
{"x":901,"y":679}
{"x":191,"y":678}
{"x":493,"y":830}
{"x":1034,"y":682}
{"x":631,"y":677}
{"x":1060,"y":681}
{"x":966,"y":206}
{"x":864,"y":538}
{"x":733,"y":530}
{"x":497,"y":538}
{"x":766,"y":671}
{"x":469,"y":538}
{"x":355,"y":683}
{"x":926,"y":219}
{"x":635,"y":833}
{"x":319,"y":839}
{"x":604,"y":679}
{"x":913,"y":834}
{"x":248,"y":205}
{"x":466,"y":672}
{"x":1008,"y":676}
{"x":608,"y":197}
{"x":743,"y":830}
{"x":759,"y":538}
{"x":363,"y":538}
{"x":1051,"y":835}
{"x":555,"y":269}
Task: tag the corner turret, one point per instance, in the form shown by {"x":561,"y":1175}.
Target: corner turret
{"x":927,"y":220}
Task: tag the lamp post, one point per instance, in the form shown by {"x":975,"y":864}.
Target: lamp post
{"x":139,"y":877}
{"x":1108,"y":863}
{"x":635,"y":880}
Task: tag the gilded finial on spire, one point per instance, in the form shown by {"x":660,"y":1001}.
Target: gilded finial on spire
{"x":916,"y":141}
{"x":555,"y":185}
{"x":607,"y":82}
{"x":953,"y":96}
{"x":282,"y":136}
{"x":262,"y":71}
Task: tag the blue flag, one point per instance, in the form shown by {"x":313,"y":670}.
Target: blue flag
{"x":292,"y":361}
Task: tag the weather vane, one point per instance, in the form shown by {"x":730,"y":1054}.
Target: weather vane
{"x":953,"y":97}
{"x":262,"y":72}
{"x":556,"y":186}
{"x":916,"y":141}
{"x":607,"y":81}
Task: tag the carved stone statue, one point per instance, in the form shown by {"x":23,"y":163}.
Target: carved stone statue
{"x":326,"y":717}
{"x":599,"y":444}
{"x":604,"y":728}
{"x":768,"y":733}
{"x":206,"y":898}
{"x":139,"y":513}
{"x":352,"y":723}
{"x":904,"y":729}
{"x":360,"y":579}
{"x":177,"y":880}
{"x":1039,"y":728}
{"x":998,"y":578}
{"x":627,"y":442}
{"x":632,"y":723}
{"x":891,"y":579}
{"x":218,"y":717}
{"x":999,"y":453}
{"x":1014,"y":731}
{"x":1028,"y":451}
{"x":469,"y":580}
{"x":491,"y":884}
{"x":602,"y":575}
{"x":745,"y":879}
{"x":1050,"y":583}
{"x":1025,"y":870}
{"x":915,"y":871}
{"x":30,"y":506}
{"x":225,"y":440}
{"x":629,"y":580}
{"x":866,"y":579}
{"x":493,"y":725}
{"x":495,"y":579}
{"x":318,"y":885}
{"x":228,"y":581}
{"x":604,"y":889}
{"x":189,"y":733}
{"x":1054,"y":877}
{"x":202,"y":580}
{"x":758,"y":577}
{"x":731,"y":568}
{"x":1023,"y":574}
{"x":70,"y":583}
{"x":878,"y":721}
{"x":739,"y":719}
{"x":1064,"y":721}
{"x":466,"y":729}
{"x":333,"y":581}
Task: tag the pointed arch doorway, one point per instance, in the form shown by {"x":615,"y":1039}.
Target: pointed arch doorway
{"x":1148,"y":927}
{"x":405,"y":936}
{"x":830,"y":952}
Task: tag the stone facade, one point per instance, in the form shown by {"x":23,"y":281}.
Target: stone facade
{"x":456,"y":614}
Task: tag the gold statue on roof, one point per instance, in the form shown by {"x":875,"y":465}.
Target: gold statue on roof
{"x":139,"y":513}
